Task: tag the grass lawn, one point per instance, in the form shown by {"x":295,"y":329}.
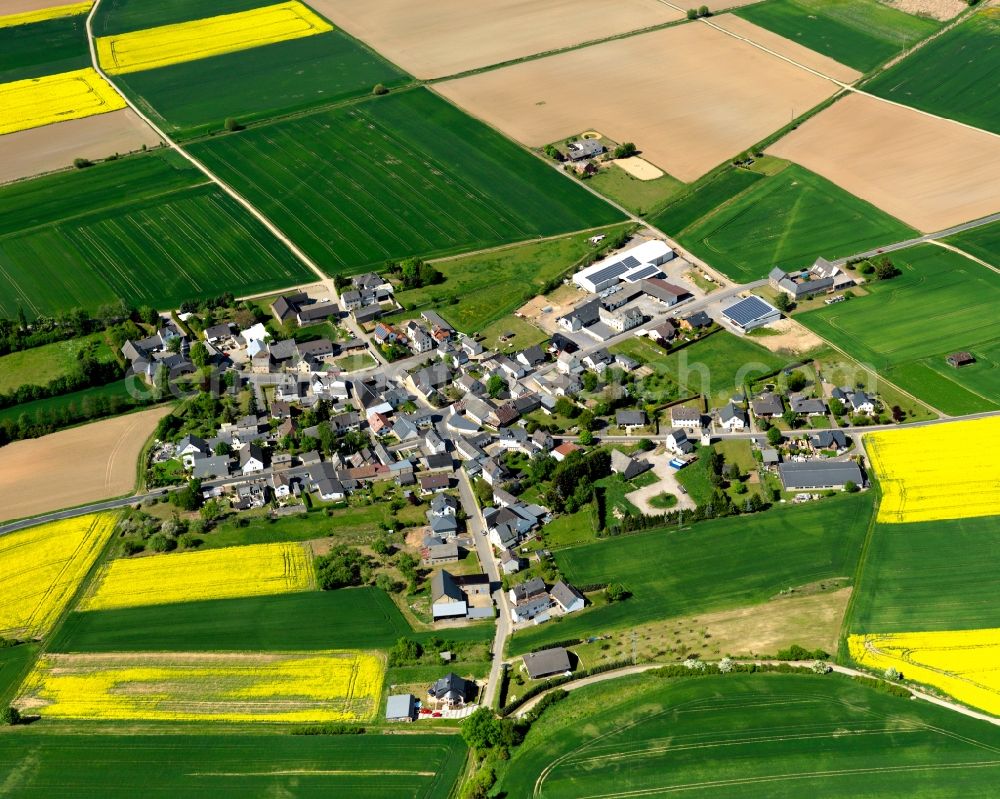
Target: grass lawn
{"x":729,"y":735}
{"x":664,"y":501}
{"x":639,"y":196}
{"x":938,"y":291}
{"x":43,"y":48}
{"x":228,"y":764}
{"x":397,"y":176}
{"x":945,"y":77}
{"x":342,"y":619}
{"x":939,"y":575}
{"x":859,"y":33}
{"x":40,"y":365}
{"x":525,"y":334}
{"x":569,"y":529}
{"x":703,"y":197}
{"x":788,"y":220}
{"x":481,"y":289}
{"x":715,"y":366}
{"x":354,"y":363}
{"x":713,"y":565}
{"x":145,"y":229}
{"x":195,"y":97}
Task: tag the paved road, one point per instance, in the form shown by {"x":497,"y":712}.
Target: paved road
{"x":477,"y":528}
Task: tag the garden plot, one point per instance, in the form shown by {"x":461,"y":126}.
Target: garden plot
{"x":689,"y":96}
{"x":929,"y":172}
{"x":451,"y":36}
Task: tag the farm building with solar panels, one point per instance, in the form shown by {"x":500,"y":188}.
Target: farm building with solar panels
{"x":633,"y":264}
{"x":750,"y":313}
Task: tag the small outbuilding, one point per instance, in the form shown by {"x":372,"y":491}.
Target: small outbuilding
{"x":960,"y":359}
{"x":401,"y":707}
{"x":547,"y":663}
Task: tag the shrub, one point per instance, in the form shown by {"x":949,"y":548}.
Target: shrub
{"x":82,"y":163}
{"x":232,"y":125}
{"x":379,"y":89}
{"x":162,"y":543}
{"x":10,"y":716}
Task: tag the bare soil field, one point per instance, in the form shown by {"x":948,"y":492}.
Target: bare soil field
{"x":24,"y":6}
{"x":787,"y":48}
{"x":446,"y":37}
{"x":928,"y":172}
{"x":935,"y":9}
{"x":639,"y":168}
{"x":72,"y":467}
{"x":689,"y":96}
{"x":790,"y":337}
{"x":46,"y":149}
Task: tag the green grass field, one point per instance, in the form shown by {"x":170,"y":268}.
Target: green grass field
{"x":713,"y":565}
{"x":639,"y":196}
{"x":716,"y":366}
{"x":788,"y":220}
{"x":782,"y":736}
{"x":39,"y":365}
{"x":938,"y":575}
{"x":481,"y":289}
{"x":95,"y":766}
{"x":946,"y":76}
{"x":121,"y":16}
{"x":146,"y":229}
{"x":43,"y":48}
{"x":13,"y":663}
{"x":905,"y":327}
{"x":397,"y":176}
{"x":196,"y":97}
{"x":704,"y":197}
{"x":859,"y":33}
{"x":309,"y":620}
{"x":53,"y":409}
{"x":983,"y":242}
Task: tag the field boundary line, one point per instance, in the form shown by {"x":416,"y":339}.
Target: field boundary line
{"x":953,"y":248}
{"x":173,"y":145}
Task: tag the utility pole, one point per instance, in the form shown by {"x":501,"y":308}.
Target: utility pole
{"x":635,"y":659}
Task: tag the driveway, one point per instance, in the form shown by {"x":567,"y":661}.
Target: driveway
{"x":667,"y":482}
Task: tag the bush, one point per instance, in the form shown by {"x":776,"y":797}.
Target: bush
{"x":616,"y":592}
{"x":796,"y":652}
{"x":232,"y":125}
{"x":626,"y":150}
{"x":10,"y":716}
{"x":162,"y":543}
{"x":133,"y":546}
{"x":328,"y":729}
{"x":82,"y":163}
{"x":343,"y":566}
{"x":379,"y":89}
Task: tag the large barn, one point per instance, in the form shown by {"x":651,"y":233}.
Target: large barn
{"x":636,"y":263}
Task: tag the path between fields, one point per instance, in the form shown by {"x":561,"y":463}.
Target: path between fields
{"x":963,"y":253}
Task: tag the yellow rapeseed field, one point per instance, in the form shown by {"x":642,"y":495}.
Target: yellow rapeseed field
{"x":201,"y":38}
{"x":42,"y":568}
{"x":35,"y":102}
{"x":213,"y":574}
{"x":964,"y":663}
{"x":43,"y":14}
{"x":301,"y":687}
{"x":943,"y":471}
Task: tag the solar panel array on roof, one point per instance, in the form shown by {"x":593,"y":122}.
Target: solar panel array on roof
{"x":617,"y":269}
{"x":630,"y":261}
{"x":749,"y":310}
{"x":647,"y":271}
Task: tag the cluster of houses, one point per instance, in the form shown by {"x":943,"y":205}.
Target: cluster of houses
{"x":533,"y":601}
{"x":821,"y":278}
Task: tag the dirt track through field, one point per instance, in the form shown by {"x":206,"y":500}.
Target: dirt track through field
{"x":72,"y":467}
{"x":52,"y":147}
{"x":446,"y":37}
{"x":690,"y":97}
{"x":928,"y":172}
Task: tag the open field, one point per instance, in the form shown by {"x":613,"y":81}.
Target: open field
{"x":145,"y":229}
{"x":716,"y":565}
{"x":859,"y":33}
{"x":945,"y":76}
{"x":83,"y":464}
{"x":689,"y":96}
{"x":887,"y":328}
{"x":715,"y":366}
{"x":929,"y":576}
{"x":34,"y":102}
{"x":232,"y":766}
{"x":788,"y":220}
{"x":255,"y":570}
{"x":38,"y":365}
{"x":302,"y":687}
{"x":196,"y":97}
{"x":446,"y":183}
{"x":306,"y":620}
{"x":639,"y":195}
{"x":123,"y":16}
{"x":43,"y":48}
{"x":982,"y":242}
{"x":750,"y":735}
{"x":53,"y":147}
{"x":928,"y":172}
{"x":207,"y":37}
{"x":790,"y":47}
{"x":65,"y":410}
{"x":17,"y":13}
{"x":43,"y":566}
{"x":704,"y":198}
{"x":491,"y":285}
{"x":948,"y":471}
{"x":14,"y":664}
{"x":449,"y":36}
{"x":963,"y":663}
